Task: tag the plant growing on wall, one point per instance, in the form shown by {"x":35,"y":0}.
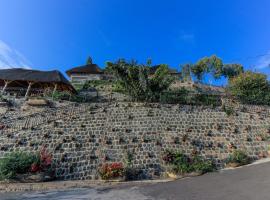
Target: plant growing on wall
{"x":182,"y":163}
{"x":111,"y":171}
{"x":16,"y":163}
{"x":238,"y":158}
{"x":22,"y":162}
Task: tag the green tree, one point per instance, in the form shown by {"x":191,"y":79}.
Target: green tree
{"x":211,"y":64}
{"x":232,"y":70}
{"x":250,"y":87}
{"x":137,"y":80}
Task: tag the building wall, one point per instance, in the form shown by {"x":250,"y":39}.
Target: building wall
{"x":108,"y":133}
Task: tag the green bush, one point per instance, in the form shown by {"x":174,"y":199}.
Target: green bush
{"x":240,"y":157}
{"x":117,"y":86}
{"x":61,"y":95}
{"x":96,"y":83}
{"x":179,"y":96}
{"x":200,"y":165}
{"x":228,"y":110}
{"x":251,"y":88}
{"x":67,"y":97}
{"x":138,"y":81}
{"x":183,"y":96}
{"x":16,"y":163}
{"x":183,"y":164}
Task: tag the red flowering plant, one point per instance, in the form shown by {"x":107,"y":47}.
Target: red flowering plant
{"x":43,"y":162}
{"x":112,"y":170}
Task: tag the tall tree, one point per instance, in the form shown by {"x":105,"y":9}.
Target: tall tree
{"x":232,"y":70}
{"x":211,"y":64}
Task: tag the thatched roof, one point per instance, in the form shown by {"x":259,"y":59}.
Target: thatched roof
{"x":36,"y":76}
{"x":85,"y":69}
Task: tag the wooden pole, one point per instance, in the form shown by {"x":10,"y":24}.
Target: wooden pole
{"x":6,"y":84}
{"x":54,"y":90}
{"x":28,"y":89}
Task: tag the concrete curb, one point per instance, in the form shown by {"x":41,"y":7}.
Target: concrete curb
{"x":257,"y":162}
{"x":61,"y":185}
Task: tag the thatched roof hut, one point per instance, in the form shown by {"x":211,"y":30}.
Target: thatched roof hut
{"x":85,"y":69}
{"x":34,"y":79}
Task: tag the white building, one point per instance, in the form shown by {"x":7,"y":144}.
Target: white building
{"x":85,"y":73}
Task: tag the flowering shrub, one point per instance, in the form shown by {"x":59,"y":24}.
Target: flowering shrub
{"x":22,"y":162}
{"x":112,"y":170}
{"x":44,"y":162}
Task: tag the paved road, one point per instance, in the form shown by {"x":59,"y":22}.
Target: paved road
{"x":248,"y":183}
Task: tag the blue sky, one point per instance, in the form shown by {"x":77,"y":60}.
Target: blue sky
{"x":60,"y":34}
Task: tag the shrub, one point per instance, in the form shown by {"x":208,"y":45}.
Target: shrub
{"x":44,"y":162}
{"x":183,"y":96}
{"x":240,"y":157}
{"x":96,"y":83}
{"x":61,"y":96}
{"x":16,"y":163}
{"x":110,"y":171}
{"x":250,"y":87}
{"x":183,"y":164}
{"x":228,"y":110}
{"x":203,"y":166}
{"x":179,"y":96}
{"x":21,"y":162}
{"x":67,"y":97}
{"x":138,"y":82}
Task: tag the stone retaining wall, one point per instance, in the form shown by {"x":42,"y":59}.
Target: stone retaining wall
{"x":109,"y":133}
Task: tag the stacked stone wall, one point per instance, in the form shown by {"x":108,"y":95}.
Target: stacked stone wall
{"x":109,"y":133}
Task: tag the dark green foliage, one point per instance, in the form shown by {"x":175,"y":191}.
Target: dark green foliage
{"x":61,"y":96}
{"x":228,"y":110}
{"x":16,"y":163}
{"x":184,"y":164}
{"x":250,"y":87}
{"x":183,"y":96}
{"x":180,"y":96}
{"x":205,"y":65}
{"x":215,"y":66}
{"x":68,"y":97}
{"x":200,"y":165}
{"x":138,"y":82}
{"x":232,"y":70}
{"x":96,"y":83}
{"x":240,"y":157}
{"x":115,"y":85}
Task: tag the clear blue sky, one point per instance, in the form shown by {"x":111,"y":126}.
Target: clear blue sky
{"x":60,"y":34}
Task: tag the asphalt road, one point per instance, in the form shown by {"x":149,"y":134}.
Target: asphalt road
{"x":247,"y":183}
